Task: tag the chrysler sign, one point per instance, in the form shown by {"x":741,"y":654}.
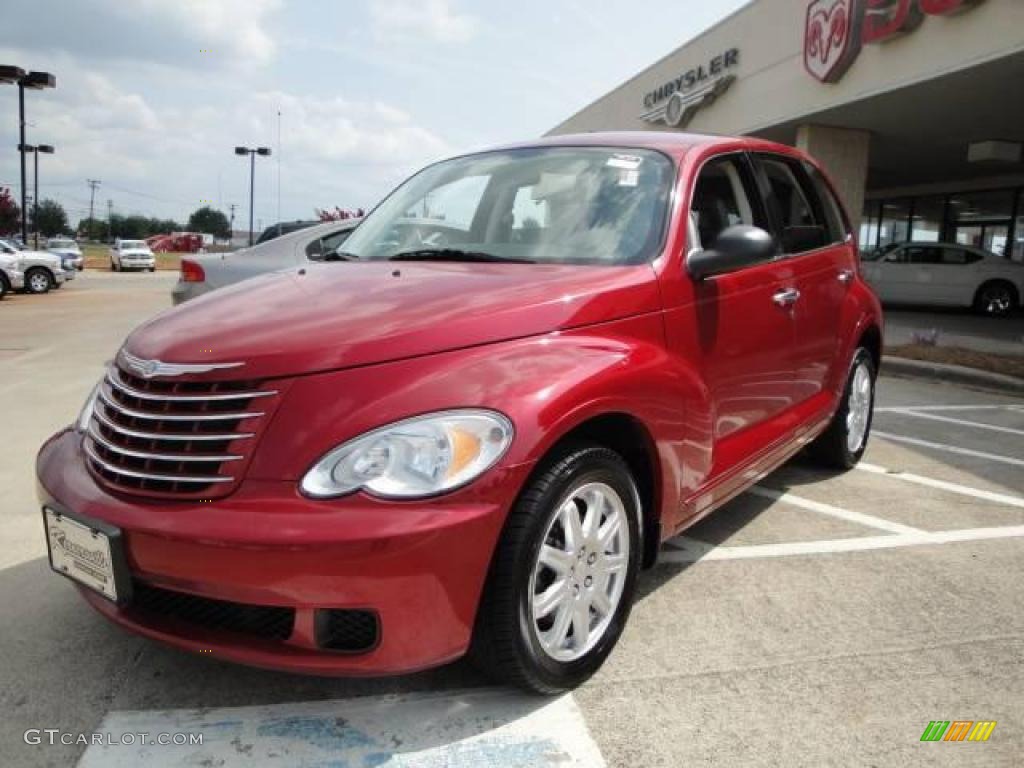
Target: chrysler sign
{"x":835,"y":30}
{"x":677,"y":101}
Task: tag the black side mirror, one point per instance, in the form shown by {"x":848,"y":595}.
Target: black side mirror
{"x":736,"y":247}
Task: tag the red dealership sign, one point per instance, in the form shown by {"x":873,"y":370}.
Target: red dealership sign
{"x":835,"y":30}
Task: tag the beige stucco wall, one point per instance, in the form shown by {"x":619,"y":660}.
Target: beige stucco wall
{"x":772,"y":86}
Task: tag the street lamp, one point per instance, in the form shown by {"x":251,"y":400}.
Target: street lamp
{"x":46,"y":149}
{"x":35,"y":81}
{"x":263,"y":151}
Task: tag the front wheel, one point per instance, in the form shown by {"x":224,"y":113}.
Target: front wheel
{"x":843,"y":443}
{"x":564,"y":573}
{"x":38,"y":281}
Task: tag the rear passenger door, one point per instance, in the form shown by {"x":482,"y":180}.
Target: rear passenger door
{"x":817,"y":246}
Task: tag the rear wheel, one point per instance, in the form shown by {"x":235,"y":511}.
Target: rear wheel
{"x":843,"y":443}
{"x":563,"y":575}
{"x":996,"y":298}
{"x":4,"y":288}
{"x":38,"y":280}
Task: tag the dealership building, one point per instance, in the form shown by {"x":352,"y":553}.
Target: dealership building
{"x":916,"y":107}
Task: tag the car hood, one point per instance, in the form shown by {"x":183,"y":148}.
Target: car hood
{"x":136,"y":252}
{"x":332,"y":316}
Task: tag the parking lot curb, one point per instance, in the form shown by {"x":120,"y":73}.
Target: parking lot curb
{"x":957,"y":374}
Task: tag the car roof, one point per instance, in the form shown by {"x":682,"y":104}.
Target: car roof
{"x":672,"y":143}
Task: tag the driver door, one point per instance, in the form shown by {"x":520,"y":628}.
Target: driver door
{"x":734,"y":329}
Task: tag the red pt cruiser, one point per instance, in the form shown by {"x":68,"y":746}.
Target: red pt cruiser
{"x":537,"y":364}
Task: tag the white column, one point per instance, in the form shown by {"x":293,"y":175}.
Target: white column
{"x":844,"y":153}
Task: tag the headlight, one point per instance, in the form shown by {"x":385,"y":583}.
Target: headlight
{"x":418,"y":457}
{"x":90,"y":405}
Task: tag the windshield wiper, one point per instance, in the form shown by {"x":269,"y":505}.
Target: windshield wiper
{"x":454,"y":254}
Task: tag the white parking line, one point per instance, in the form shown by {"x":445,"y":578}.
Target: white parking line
{"x":828,"y":509}
{"x":687,"y":550}
{"x":949,"y":448}
{"x":471,"y":729}
{"x":890,"y":408}
{"x":944,"y":485}
{"x":961,"y":422}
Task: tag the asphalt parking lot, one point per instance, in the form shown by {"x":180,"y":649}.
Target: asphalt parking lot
{"x":819,"y":620}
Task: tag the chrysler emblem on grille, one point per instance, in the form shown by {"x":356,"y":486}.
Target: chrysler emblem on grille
{"x":147,"y":369}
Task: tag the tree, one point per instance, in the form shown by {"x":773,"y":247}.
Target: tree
{"x":10,"y":214}
{"x":50,"y":219}
{"x":210,"y":221}
{"x":92,"y":228}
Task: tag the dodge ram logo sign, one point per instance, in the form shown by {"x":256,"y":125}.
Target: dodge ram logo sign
{"x":832,"y":37}
{"x":836,"y":30}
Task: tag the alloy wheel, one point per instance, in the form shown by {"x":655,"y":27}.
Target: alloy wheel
{"x":38,"y":282}
{"x":858,"y":407}
{"x":996,"y":300}
{"x":580,"y":571}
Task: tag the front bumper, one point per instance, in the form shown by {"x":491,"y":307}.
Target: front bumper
{"x":419,"y":567}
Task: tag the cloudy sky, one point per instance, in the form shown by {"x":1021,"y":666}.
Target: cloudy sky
{"x":152,"y":95}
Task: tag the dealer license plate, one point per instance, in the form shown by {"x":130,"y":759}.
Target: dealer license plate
{"x":87,"y":553}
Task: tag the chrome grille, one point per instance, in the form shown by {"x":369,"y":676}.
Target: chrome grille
{"x":175,"y":438}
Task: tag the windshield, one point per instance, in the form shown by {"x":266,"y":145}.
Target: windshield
{"x":550,"y":205}
{"x":133,"y":244}
{"x":62,"y":244}
{"x":7,"y":246}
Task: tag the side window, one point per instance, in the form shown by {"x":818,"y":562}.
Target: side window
{"x":959,"y":256}
{"x":922,"y":255}
{"x":319,"y":248}
{"x":789,"y":198}
{"x":832,"y":211}
{"x":721,"y":199}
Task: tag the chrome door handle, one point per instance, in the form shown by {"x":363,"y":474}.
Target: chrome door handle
{"x":845,"y":276}
{"x":787,"y":297}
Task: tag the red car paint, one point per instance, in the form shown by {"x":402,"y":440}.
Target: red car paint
{"x":724,"y":384}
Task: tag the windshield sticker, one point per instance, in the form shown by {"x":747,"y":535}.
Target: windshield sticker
{"x":626,"y":162}
{"x":628,"y":178}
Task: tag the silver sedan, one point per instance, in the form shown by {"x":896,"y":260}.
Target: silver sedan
{"x":202,"y":273}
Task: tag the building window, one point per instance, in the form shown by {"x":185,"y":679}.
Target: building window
{"x":1017,"y":247}
{"x":868,"y":237}
{"x":894,"y":223}
{"x":929,"y":213}
{"x":982,"y":219}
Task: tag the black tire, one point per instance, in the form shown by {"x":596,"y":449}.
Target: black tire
{"x":996,"y":298}
{"x":4,"y":288}
{"x":152,"y":269}
{"x":832,"y":447}
{"x":38,"y":280}
{"x":112,"y":267}
{"x":505,"y":644}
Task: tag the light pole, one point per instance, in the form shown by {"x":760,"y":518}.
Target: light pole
{"x":36,"y":81}
{"x":46,"y":149}
{"x":265,"y":152}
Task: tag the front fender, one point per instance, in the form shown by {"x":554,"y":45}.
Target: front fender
{"x":547,"y":385}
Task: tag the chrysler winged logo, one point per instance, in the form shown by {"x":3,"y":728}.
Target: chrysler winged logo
{"x":832,"y":37}
{"x":147,"y":369}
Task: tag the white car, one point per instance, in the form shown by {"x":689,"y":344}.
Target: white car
{"x":945,"y":274}
{"x":203,"y":273}
{"x":131,"y":254}
{"x":68,"y":250}
{"x":42,"y":270}
{"x":11,"y":278}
